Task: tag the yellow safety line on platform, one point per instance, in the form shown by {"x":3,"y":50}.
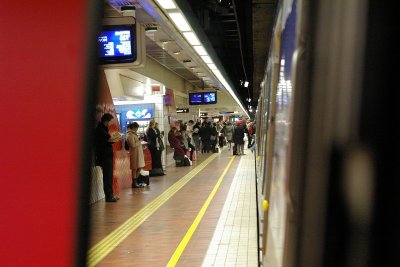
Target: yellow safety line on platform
{"x":107,"y":244}
{"x":179,"y":250}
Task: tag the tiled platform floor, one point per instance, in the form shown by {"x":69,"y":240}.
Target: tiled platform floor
{"x":226,"y":235}
{"x":235,"y":239}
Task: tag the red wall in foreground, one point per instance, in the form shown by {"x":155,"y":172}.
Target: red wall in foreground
{"x":43,"y":70}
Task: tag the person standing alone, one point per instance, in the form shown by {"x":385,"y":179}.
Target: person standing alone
{"x":105,"y":155}
{"x":153,"y":142}
{"x":135,"y":153}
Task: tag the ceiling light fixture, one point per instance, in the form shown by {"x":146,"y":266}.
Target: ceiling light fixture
{"x":128,"y":9}
{"x":180,"y":21}
{"x":212,"y":66}
{"x":151,"y":29}
{"x":207,"y":59}
{"x":191,"y":38}
{"x":166,"y":4}
{"x":200,"y":50}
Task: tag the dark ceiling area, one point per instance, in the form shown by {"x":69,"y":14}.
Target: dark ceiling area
{"x":240,"y":33}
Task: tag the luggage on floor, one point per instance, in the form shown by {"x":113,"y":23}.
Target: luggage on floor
{"x":144,"y":177}
{"x":187,"y":161}
{"x":179,"y":161}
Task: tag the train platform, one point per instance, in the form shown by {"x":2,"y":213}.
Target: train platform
{"x":200,"y":215}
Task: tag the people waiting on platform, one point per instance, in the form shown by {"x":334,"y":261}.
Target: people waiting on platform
{"x":175,"y":143}
{"x":104,"y":154}
{"x":136,"y":156}
{"x":186,"y":142}
{"x":238,"y":137}
{"x":153,"y":137}
{"x":196,"y":136}
{"x":205,"y":135}
{"x":213,"y":137}
{"x":228,"y":132}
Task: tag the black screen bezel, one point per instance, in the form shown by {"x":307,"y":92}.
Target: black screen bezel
{"x":120,"y":59}
{"x":209,"y":103}
{"x":193,"y":103}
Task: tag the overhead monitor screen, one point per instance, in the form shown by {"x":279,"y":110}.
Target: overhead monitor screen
{"x":195,"y":98}
{"x":210,"y":98}
{"x":116,"y":44}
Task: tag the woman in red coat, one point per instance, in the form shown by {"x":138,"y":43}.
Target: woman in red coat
{"x":175,"y":143}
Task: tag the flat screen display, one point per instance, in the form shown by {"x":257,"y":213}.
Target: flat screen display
{"x":195,"y":98}
{"x":116,"y":44}
{"x":210,"y":98}
{"x":140,"y":114}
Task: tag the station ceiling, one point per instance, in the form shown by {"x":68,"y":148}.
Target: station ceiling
{"x":239,"y":31}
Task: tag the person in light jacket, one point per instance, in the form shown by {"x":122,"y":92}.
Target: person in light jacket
{"x":229,"y":134}
{"x":135,"y":152}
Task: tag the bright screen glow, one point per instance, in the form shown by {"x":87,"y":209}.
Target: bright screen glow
{"x":210,"y":98}
{"x":140,"y":114}
{"x":195,"y":98}
{"x":116,"y":44}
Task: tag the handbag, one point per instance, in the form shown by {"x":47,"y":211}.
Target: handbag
{"x":161,"y":143}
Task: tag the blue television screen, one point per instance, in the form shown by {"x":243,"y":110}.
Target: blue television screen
{"x":210,"y":98}
{"x":195,"y":98}
{"x":140,"y":114}
{"x":116,"y":44}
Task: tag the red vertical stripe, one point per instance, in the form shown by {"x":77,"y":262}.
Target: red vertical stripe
{"x":42,"y":59}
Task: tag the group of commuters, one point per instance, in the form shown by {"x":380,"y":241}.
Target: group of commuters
{"x":185,"y":138}
{"x":208,"y":136}
{"x":104,"y":154}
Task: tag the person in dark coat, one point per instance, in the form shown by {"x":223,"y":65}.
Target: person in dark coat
{"x":203,"y":136}
{"x":213,"y":136}
{"x":105,"y":155}
{"x":206,"y":137}
{"x":196,"y":136}
{"x":153,"y":138}
{"x":238,"y":138}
